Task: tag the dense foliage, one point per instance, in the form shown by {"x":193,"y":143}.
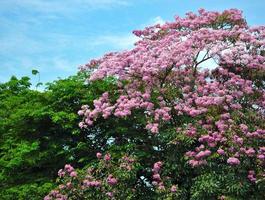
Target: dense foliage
{"x":178,"y":126}
{"x":39,"y":133}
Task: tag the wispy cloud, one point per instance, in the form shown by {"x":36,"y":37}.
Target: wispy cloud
{"x":157,"y":20}
{"x":125,"y":40}
{"x":29,"y":39}
{"x":50,"y":52}
{"x":60,"y":7}
{"x":153,"y":21}
{"x":118,"y":41}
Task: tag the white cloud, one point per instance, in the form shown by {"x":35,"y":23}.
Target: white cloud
{"x":50,"y":51}
{"x":153,"y":21}
{"x":157,"y":20}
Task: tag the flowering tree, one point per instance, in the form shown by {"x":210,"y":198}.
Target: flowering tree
{"x":193,"y":90}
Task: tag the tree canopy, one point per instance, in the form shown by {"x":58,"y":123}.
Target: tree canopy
{"x":189,"y":102}
{"x":39,"y":133}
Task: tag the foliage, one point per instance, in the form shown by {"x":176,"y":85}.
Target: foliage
{"x":39,"y":133}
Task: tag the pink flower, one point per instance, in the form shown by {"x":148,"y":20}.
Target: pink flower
{"x":222,"y":197}
{"x":61,"y":187}
{"x":157,"y":166}
{"x":156,"y":177}
{"x":161,"y":187}
{"x":69,"y":184}
{"x":68,"y":168}
{"x":80,"y":112}
{"x":233,"y":161}
{"x":153,"y":127}
{"x":111,"y":180}
{"x":221,"y":151}
{"x":203,"y":154}
{"x":173,"y":189}
{"x":95,"y":183}
{"x":73,"y":174}
{"x":107,"y":157}
{"x":109,"y":194}
{"x":251,"y":176}
{"x":243,"y":128}
{"x":99,"y":155}
{"x":250,"y":152}
{"x":61,"y":173}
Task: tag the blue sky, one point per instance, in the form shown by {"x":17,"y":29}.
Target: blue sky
{"x":56,"y":36}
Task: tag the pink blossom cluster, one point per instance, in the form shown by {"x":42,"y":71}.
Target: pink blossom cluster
{"x":198,"y":157}
{"x":68,"y":169}
{"x":193,"y":21}
{"x":107,"y":156}
{"x":55,"y":195}
{"x":111,"y":180}
{"x":99,"y":155}
{"x":251,"y":176}
{"x":173,"y":188}
{"x":153,"y":127}
{"x":157,"y":181}
{"x":157,"y":66}
{"x":90,"y":181}
{"x":259,"y":133}
{"x":233,"y":161}
{"x":101,"y":106}
{"x":261,"y":154}
{"x":127,"y":163}
{"x":170,"y":75}
{"x":98,"y":178}
{"x":191,"y":130}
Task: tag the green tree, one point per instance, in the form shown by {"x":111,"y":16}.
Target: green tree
{"x":39,"y":133}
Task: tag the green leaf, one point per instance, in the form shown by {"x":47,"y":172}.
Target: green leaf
{"x":34,"y":71}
